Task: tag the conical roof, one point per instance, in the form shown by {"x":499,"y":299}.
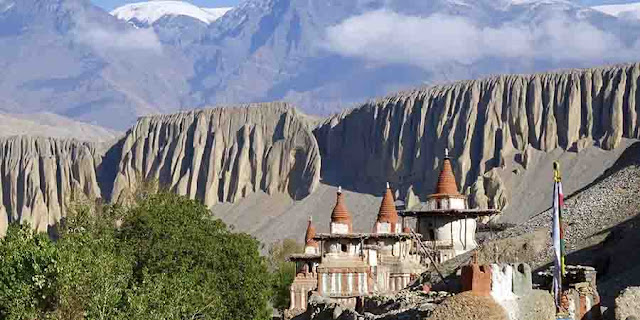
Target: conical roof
{"x":446,"y":180}
{"x":387,"y":212}
{"x":311,"y":233}
{"x":340,"y":213}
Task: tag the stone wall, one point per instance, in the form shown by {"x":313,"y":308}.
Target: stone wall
{"x":580,"y":299}
{"x":511,"y":287}
{"x":582,"y":304}
{"x":477,"y":279}
{"x":300,"y":289}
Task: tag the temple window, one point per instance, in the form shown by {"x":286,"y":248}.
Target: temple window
{"x":343,"y":247}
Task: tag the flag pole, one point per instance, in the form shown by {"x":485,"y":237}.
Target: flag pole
{"x":558,"y":234}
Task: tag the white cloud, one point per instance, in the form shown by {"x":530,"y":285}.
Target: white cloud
{"x":386,"y":36}
{"x":107,"y":38}
{"x":127,"y":40}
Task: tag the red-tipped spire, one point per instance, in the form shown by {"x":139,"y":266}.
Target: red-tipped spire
{"x":387,"y":212}
{"x":311,"y":233}
{"x":446,"y":180}
{"x":340,"y":213}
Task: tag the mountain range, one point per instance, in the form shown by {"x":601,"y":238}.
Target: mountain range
{"x":73,"y":59}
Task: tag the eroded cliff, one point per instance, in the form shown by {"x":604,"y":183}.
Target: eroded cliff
{"x":485,"y":124}
{"x":502,"y":132}
{"x":39,"y":176}
{"x":222,"y":155}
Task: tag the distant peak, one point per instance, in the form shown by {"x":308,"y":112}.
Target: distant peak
{"x":149,"y":12}
{"x":629,"y":11}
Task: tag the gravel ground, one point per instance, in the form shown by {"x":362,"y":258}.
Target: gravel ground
{"x":468,"y":306}
{"x":601,"y":222}
{"x":588,"y":215}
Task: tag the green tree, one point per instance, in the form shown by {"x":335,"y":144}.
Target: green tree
{"x":93,"y":271}
{"x":283,"y":272}
{"x":189,"y":266}
{"x":27,"y":274}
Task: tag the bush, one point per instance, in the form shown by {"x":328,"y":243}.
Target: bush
{"x":93,"y":272}
{"x":27,"y":274}
{"x":283,"y":271}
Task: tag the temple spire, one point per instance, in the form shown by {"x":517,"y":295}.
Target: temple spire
{"x":310,"y":234}
{"x":446,"y":180}
{"x":388,"y":213}
{"x":340,"y":214}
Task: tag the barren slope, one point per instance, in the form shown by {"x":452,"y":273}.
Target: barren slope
{"x":502,"y":132}
{"x":259,"y":166}
{"x":54,"y":126}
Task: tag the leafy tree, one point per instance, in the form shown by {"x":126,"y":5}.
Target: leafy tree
{"x":160,"y":256}
{"x":27,"y":273}
{"x":279,"y":251}
{"x":283,"y":271}
{"x":189,"y":266}
{"x":93,"y":273}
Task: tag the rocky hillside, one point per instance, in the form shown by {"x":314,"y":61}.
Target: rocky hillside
{"x":265,"y":167}
{"x":601,"y":227}
{"x":506,"y":122}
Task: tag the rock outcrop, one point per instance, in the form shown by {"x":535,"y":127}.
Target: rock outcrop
{"x":502,"y":133}
{"x":484,"y":123}
{"x":628,"y":303}
{"x":39,"y":176}
{"x":467,"y":305}
{"x":222,"y":155}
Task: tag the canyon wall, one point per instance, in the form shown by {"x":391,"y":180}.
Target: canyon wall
{"x":39,"y":176}
{"x":502,"y":132}
{"x":484,"y":124}
{"x":222,"y":155}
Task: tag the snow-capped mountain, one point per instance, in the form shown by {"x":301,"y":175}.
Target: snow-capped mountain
{"x":624,"y":11}
{"x":147,"y":13}
{"x":71,"y":58}
{"x":332,"y":53}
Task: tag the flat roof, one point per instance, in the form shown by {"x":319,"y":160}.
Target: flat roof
{"x":364,"y":236}
{"x":303,"y":257}
{"x":422,"y":210}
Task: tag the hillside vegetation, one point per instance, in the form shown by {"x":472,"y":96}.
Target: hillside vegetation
{"x":161,"y":257}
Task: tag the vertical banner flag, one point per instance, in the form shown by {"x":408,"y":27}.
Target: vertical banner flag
{"x":557,"y":233}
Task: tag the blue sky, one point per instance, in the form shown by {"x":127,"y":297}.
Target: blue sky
{"x":111,"y":4}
